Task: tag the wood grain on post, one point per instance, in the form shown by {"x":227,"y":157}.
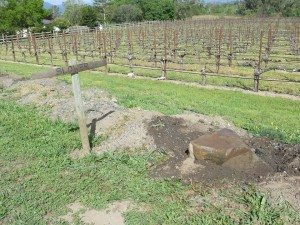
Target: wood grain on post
{"x":71,"y":69}
{"x":80,"y":110}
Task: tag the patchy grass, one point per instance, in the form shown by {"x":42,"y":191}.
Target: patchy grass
{"x":273,"y":117}
{"x":277,"y":87}
{"x":20,"y":68}
{"x":38,"y":181}
{"x":266,"y":116}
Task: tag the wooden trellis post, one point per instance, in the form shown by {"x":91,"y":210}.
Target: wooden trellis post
{"x":13,"y":48}
{"x":64,"y":52}
{"x":257,"y":70}
{"x":164,"y":60}
{"x":35,"y":50}
{"x":50,"y":48}
{"x":105,"y":52}
{"x":74,"y":69}
{"x":80,"y":109}
{"x":29,"y":38}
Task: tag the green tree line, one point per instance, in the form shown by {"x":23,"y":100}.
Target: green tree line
{"x":17,"y":14}
{"x":286,"y":8}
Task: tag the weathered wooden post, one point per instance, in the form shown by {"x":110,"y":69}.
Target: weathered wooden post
{"x":79,"y":109}
{"x":35,"y":50}
{"x":257,"y":70}
{"x":65,"y":52}
{"x":164,"y":59}
{"x":5,"y":42}
{"x":74,"y":69}
{"x":29,"y":39}
{"x":50,"y":48}
{"x":203,"y":75}
{"x":105,"y":52}
{"x":13,"y":48}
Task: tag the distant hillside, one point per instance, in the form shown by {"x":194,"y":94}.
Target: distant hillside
{"x":218,"y":1}
{"x":48,"y":5}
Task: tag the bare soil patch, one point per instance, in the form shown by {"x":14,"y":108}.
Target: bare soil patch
{"x":283,"y":188}
{"x":112,"y":215}
{"x":126,"y":129}
{"x":173,"y":134}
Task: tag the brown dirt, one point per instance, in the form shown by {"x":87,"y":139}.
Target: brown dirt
{"x":281,"y":157}
{"x":172,"y":135}
{"x":283,"y":188}
{"x":112,"y":215}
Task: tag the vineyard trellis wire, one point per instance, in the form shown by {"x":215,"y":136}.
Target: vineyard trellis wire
{"x":206,"y":48}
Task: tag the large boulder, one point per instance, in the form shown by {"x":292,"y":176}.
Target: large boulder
{"x":218,"y":147}
{"x":226,"y":148}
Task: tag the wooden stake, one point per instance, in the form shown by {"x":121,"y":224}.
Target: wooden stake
{"x":257,"y":70}
{"x":65,"y":54}
{"x":35,"y":50}
{"x":13,"y":48}
{"x":29,"y":37}
{"x":80,"y":111}
{"x":50,"y":50}
{"x":165,"y":54}
{"x":105,"y":52}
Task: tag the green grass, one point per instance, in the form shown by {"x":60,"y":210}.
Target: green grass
{"x":277,"y":87}
{"x":277,"y":118}
{"x":274,"y":117}
{"x":20,"y":69}
{"x":39,"y":179}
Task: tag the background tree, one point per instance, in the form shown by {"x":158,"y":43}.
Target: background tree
{"x":188,"y":8}
{"x":88,"y":16}
{"x":61,"y":23}
{"x":73,"y":11}
{"x":55,"y":11}
{"x":100,"y":6}
{"x":270,"y":7}
{"x":18,"y":14}
{"x":157,"y":9}
{"x":127,"y":13}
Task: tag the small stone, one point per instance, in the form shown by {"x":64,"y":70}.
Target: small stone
{"x":161,"y":78}
{"x":131,"y":75}
{"x":295,"y":164}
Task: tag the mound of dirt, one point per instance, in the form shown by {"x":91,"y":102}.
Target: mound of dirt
{"x":145,"y":130}
{"x":282,"y":157}
{"x":124,"y":129}
{"x":173,"y":134}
